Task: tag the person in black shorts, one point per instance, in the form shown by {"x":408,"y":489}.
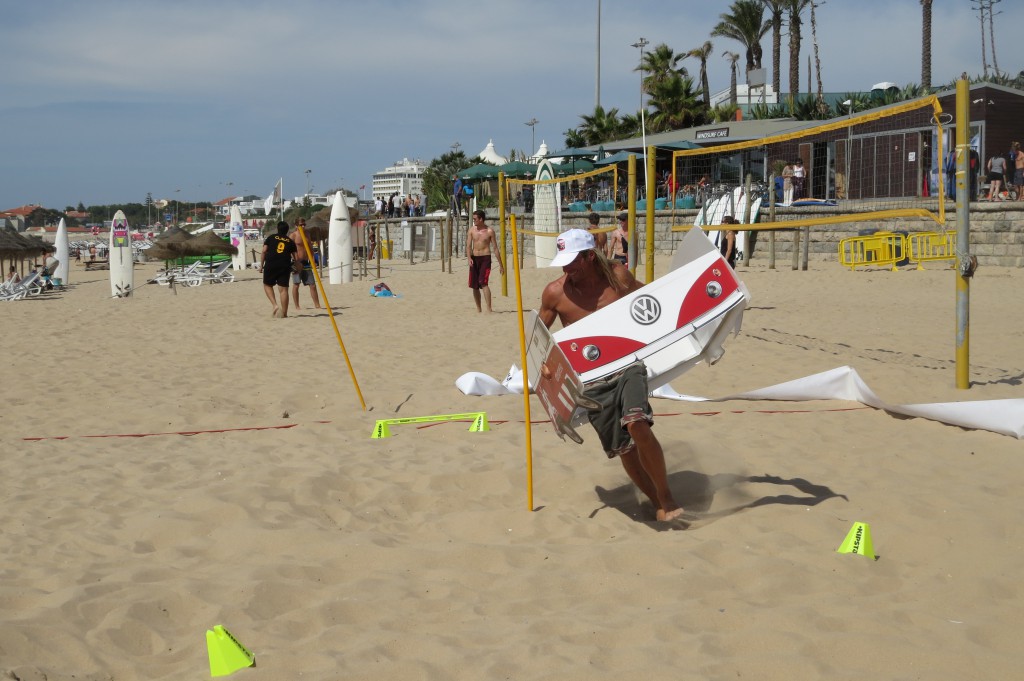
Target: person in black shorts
{"x":276,"y":264}
{"x":624,"y":418}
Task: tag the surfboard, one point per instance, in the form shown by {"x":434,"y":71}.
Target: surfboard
{"x":547,"y":214}
{"x":120,"y":256}
{"x":237,"y":233}
{"x":339,"y":242}
{"x":705,"y":213}
{"x":63,"y":253}
{"x":671,"y":324}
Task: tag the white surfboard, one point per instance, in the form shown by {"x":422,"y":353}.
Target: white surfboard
{"x":547,"y":215}
{"x":63,"y":253}
{"x":237,"y":233}
{"x":705,"y":213}
{"x":120,"y":255}
{"x":339,"y":242}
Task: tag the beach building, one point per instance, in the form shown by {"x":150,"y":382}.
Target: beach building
{"x":404,"y":177}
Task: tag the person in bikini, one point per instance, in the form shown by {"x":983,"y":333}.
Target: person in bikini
{"x":588,"y":283}
{"x":480,"y":242}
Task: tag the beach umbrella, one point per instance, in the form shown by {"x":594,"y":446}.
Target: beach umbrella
{"x":173,"y":234}
{"x":163,"y":251}
{"x":617,"y":157}
{"x":519,"y":169}
{"x":207,"y":243}
{"x":317,"y":227}
{"x":481,"y":171}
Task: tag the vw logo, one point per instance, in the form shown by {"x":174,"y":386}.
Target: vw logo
{"x":645,"y":310}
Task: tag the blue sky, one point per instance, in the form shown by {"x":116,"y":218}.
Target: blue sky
{"x":104,"y":101}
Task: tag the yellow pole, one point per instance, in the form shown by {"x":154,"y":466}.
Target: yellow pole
{"x":649,"y":214}
{"x":963,"y":245}
{"x":327,"y":304}
{"x":526,"y":377}
{"x":501,"y":245}
{"x":631,"y":210}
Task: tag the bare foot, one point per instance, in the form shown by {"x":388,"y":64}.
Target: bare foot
{"x":274,"y":313}
{"x":278,"y":314}
{"x":665,"y":516}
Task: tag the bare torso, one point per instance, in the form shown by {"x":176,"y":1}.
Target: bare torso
{"x":480,"y":240}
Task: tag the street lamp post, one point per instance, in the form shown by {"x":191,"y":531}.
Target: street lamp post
{"x":642,"y":43}
{"x":533,"y":136}
{"x":177,"y":201}
{"x":307,"y":181}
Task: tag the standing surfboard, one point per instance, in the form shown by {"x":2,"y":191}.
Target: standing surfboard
{"x":339,"y":242}
{"x":120,"y":254}
{"x":63,"y":253}
{"x":547,"y":214}
{"x":237,"y":232}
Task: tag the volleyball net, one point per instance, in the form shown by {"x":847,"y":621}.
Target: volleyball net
{"x":876,"y":165}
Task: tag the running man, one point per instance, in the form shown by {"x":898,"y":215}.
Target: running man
{"x":480,"y":244}
{"x":590,"y":282}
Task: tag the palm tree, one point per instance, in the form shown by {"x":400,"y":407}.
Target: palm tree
{"x":674,"y":105}
{"x":659,"y":64}
{"x":574,"y":138}
{"x":822,"y":107}
{"x":794,"y":8}
{"x":733,"y":58}
{"x":776,"y":8}
{"x":744,"y":25}
{"x":926,"y":44}
{"x":600,"y":126}
{"x":630,"y":125}
{"x":702,"y":53}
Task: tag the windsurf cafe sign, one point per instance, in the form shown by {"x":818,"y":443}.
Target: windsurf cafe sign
{"x":714,"y":133}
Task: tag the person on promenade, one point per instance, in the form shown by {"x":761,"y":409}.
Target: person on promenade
{"x":304,"y":274}
{"x":1018,"y":170}
{"x":600,"y":238}
{"x":618,"y":243}
{"x":480,"y":243}
{"x":787,"y":184}
{"x":799,"y":177}
{"x":588,"y":283}
{"x":996,"y":171}
{"x":276,"y":265}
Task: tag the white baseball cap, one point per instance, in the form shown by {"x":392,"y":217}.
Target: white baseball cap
{"x":569,"y":244}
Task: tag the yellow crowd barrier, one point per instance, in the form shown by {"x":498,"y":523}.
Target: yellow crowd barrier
{"x":931,"y":246}
{"x":874,"y":250}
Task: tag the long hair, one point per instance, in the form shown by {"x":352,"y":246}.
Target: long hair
{"x":606,"y":268}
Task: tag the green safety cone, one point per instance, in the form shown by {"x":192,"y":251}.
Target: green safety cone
{"x":858,"y":540}
{"x":227,"y":655}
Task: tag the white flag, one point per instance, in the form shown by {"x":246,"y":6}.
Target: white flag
{"x":274,"y":197}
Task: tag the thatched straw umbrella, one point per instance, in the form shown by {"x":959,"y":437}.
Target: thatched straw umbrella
{"x":207,"y":243}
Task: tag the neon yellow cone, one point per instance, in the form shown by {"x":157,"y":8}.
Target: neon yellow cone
{"x":858,"y":540}
{"x":227,"y":655}
{"x":480,"y":424}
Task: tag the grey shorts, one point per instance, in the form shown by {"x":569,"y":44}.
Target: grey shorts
{"x":303,"y":277}
{"x":623,"y":400}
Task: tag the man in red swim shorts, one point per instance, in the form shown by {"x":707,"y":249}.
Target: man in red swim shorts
{"x":480,"y":243}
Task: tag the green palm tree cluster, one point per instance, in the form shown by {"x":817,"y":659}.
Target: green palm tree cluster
{"x":674,"y":100}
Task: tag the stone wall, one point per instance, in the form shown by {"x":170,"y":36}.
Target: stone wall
{"x":997,"y":232}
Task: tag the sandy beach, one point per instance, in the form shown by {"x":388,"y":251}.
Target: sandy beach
{"x":180,"y":460}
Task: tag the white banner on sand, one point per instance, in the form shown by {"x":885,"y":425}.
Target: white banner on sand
{"x":842,"y":383}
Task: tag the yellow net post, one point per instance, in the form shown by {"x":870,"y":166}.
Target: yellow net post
{"x":526,"y":377}
{"x":501,"y":243}
{"x":330,"y":312}
{"x":963,"y":244}
{"x":652,"y":179}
